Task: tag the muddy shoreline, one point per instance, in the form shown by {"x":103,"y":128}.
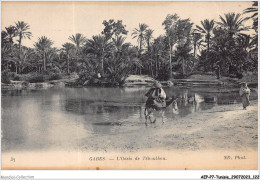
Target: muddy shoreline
{"x":196,"y":80}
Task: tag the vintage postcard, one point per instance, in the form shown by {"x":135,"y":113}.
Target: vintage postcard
{"x":159,"y":85}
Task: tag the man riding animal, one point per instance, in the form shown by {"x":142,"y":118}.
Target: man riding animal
{"x":156,"y":96}
{"x":157,"y":102}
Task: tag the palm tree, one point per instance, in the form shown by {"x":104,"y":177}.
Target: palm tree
{"x":4,"y":38}
{"x":254,"y":16}
{"x":148,"y":36}
{"x":120,"y":68}
{"x":197,"y":40}
{"x":232,"y":23}
{"x":16,"y":59}
{"x":121,"y":65}
{"x":206,"y":29}
{"x":99,"y":46}
{"x":20,"y":58}
{"x":244,"y":44}
{"x":68,"y":48}
{"x":157,"y":49}
{"x":253,"y":10}
{"x":25,"y":57}
{"x":43,"y":45}
{"x":7,"y":41}
{"x":11,"y":31}
{"x":78,"y":40}
{"x":119,"y":43}
{"x":5,"y":54}
{"x":243,"y":41}
{"x":22,"y":31}
{"x":140,"y":35}
{"x":171,"y":34}
{"x":177,"y":32}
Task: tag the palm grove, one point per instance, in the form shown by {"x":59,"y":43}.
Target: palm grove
{"x":106,"y":58}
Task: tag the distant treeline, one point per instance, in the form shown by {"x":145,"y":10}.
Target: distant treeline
{"x":183,"y":48}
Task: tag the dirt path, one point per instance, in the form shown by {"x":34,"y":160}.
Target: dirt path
{"x":225,"y":127}
{"x":222,"y":127}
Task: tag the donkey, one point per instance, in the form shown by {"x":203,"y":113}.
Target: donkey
{"x":149,"y":109}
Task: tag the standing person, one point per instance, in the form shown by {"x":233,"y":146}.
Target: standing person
{"x":217,"y":69}
{"x":244,"y":93}
{"x":156,"y":96}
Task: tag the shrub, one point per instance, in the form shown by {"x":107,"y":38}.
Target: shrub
{"x":54,"y":76}
{"x":239,"y":75}
{"x":236,"y":75}
{"x":85,"y":76}
{"x":74,"y":75}
{"x":17,"y":78}
{"x":5,"y":76}
{"x":163,"y":75}
{"x":34,"y":78}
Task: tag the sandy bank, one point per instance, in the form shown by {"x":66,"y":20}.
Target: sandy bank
{"x":220,"y":128}
{"x":225,"y":127}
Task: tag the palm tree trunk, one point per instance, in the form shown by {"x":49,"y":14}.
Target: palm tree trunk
{"x":141,"y":41}
{"x":208,"y":45}
{"x":102,"y":62}
{"x":44,"y":61}
{"x":207,"y":51}
{"x":194,"y":50}
{"x":170,"y":61}
{"x":140,"y":51}
{"x":11,"y":48}
{"x":247,"y":59}
{"x":68,"y":64}
{"x":159,"y":65}
{"x":183,"y":66}
{"x":156,"y":66}
{"x":148,"y":47}
{"x":102,"y":65}
{"x":150,"y":68}
{"x":20,"y":42}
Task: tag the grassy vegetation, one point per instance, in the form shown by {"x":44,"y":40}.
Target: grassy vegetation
{"x":185,"y":48}
{"x":7,"y":76}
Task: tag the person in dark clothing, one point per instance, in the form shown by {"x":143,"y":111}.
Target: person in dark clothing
{"x":244,"y":92}
{"x":217,"y":69}
{"x":156,"y":96}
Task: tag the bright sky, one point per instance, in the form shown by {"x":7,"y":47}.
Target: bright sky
{"x":59,"y":20}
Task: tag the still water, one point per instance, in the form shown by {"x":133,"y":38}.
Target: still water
{"x":63,"y":117}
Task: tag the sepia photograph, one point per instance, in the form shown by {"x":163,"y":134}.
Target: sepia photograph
{"x":129,"y":85}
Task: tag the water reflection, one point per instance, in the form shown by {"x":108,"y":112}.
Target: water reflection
{"x":62,"y":118}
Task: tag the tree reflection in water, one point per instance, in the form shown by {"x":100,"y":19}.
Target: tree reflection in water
{"x":65,"y":117}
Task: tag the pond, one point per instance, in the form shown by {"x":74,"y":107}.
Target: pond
{"x":59,"y":118}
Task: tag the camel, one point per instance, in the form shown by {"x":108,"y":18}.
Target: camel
{"x":149,"y":109}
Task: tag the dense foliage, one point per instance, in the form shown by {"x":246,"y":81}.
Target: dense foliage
{"x":107,"y":59}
